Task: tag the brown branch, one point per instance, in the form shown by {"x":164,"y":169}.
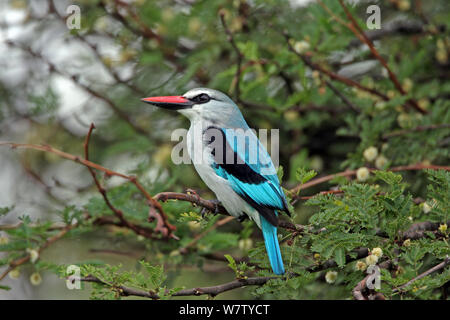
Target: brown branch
{"x":416,"y":129}
{"x":437,"y":267}
{"x":149,"y":33}
{"x":215,"y":290}
{"x":138,"y":229}
{"x":237,"y":76}
{"x":117,"y":212}
{"x":331,"y":74}
{"x":211,"y":291}
{"x":122,"y":290}
{"x":395,"y":27}
{"x":356,"y":29}
{"x":192,"y":198}
{"x":418,"y":230}
{"x":162,"y":218}
{"x":342,"y":96}
{"x":362,"y":292}
{"x":214,"y":207}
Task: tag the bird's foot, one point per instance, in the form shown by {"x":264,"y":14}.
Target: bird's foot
{"x":242,"y":218}
{"x":216,"y":211}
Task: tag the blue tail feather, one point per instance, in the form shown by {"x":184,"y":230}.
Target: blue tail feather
{"x":272,"y":246}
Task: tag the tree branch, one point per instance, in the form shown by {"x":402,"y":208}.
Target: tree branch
{"x":237,"y":77}
{"x":211,"y":291}
{"x":331,"y":74}
{"x":362,"y":292}
{"x":396,"y":27}
{"x":416,"y":129}
{"x":148,"y":233}
{"x":437,"y":267}
{"x":355,"y":28}
{"x":163,"y":224}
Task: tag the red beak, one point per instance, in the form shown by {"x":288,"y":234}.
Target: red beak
{"x":170,"y":102}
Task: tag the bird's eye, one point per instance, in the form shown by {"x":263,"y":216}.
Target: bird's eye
{"x":201,"y":98}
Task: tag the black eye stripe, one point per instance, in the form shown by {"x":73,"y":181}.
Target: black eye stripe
{"x":201,"y":98}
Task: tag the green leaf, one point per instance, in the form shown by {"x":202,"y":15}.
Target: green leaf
{"x":304,"y":176}
{"x":231,"y":262}
{"x":339,"y":256}
{"x":389,"y":177}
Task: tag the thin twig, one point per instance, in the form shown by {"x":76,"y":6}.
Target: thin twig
{"x":416,"y":129}
{"x":117,"y":212}
{"x":331,"y":74}
{"x":162,"y":218}
{"x":361,"y":290}
{"x":356,"y":29}
{"x":215,"y":290}
{"x":342,"y":96}
{"x":395,"y":27}
{"x":349,"y":173}
{"x":437,"y":267}
{"x":211,"y":291}
{"x":237,"y":77}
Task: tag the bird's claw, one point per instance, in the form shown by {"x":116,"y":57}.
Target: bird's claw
{"x":216,"y":211}
{"x":216,"y":206}
{"x":203,"y":212}
{"x":242,"y":218}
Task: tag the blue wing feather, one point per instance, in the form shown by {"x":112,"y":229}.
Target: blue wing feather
{"x":252,"y":175}
{"x":256,"y":157}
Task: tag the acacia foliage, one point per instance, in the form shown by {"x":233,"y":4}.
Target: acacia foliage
{"x":171,"y":47}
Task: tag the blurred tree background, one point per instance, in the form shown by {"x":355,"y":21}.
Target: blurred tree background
{"x":346,"y":99}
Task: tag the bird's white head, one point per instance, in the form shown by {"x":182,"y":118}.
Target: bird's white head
{"x":201,"y":104}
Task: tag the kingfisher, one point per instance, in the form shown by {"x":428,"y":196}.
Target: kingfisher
{"x":232,"y":162}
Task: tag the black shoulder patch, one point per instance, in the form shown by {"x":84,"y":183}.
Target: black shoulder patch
{"x":226,"y":158}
